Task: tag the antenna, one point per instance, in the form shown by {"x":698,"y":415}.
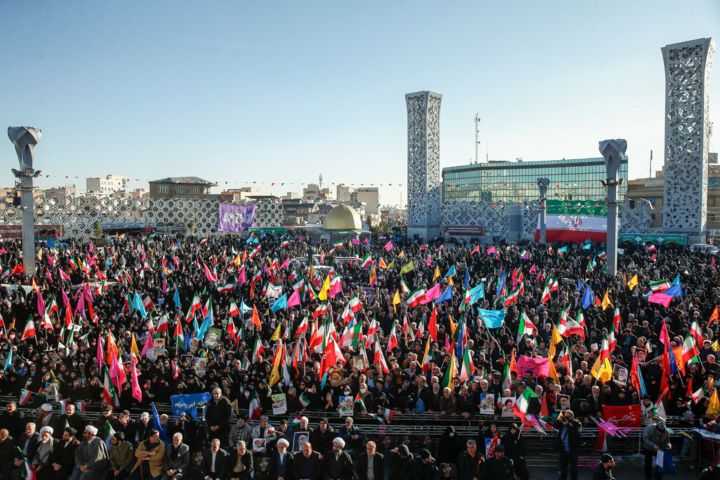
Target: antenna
{"x":477,"y":132}
{"x":650,"y":164}
{"x":320,"y":187}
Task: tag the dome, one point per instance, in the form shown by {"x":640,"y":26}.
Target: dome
{"x":342,"y":217}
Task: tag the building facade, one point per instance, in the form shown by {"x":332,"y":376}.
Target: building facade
{"x":516,"y":182}
{"x":107,"y":185}
{"x":185,"y":187}
{"x":314,"y":193}
{"x":61,"y":192}
{"x":370,"y":196}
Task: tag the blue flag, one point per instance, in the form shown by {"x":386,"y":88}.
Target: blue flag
{"x":447,"y":295}
{"x":450,"y":272}
{"x":476,"y":293}
{"x":677,"y":280}
{"x":158,"y":426}
{"x":244,"y":308}
{"x":580,"y":286}
{"x":461,"y":335}
{"x":492,"y":318}
{"x":187,"y":340}
{"x":8,"y":362}
{"x":137,"y":303}
{"x":467,"y":278}
{"x":586,"y":246}
{"x":588,"y":298}
{"x":207,"y":323}
{"x":279,"y":303}
{"x":176,"y":298}
{"x":674,"y":291}
{"x":562,"y":250}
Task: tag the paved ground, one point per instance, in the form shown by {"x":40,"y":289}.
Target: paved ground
{"x":620,"y":472}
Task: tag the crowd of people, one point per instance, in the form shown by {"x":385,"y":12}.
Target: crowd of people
{"x":398,"y":326}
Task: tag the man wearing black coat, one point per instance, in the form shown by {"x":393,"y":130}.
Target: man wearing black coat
{"x":12,"y":420}
{"x":426,"y":467}
{"x":378,"y":463}
{"x":218,"y":415}
{"x":337,"y":465}
{"x":322,"y":437}
{"x":28,"y":443}
{"x":307,"y":465}
{"x":71,"y":418}
{"x":213,"y":463}
{"x":62,"y":460}
{"x":500,"y":466}
{"x":567,"y":443}
{"x":281,"y":461}
{"x":7,"y":448}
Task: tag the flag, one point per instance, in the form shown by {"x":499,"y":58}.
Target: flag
{"x":602,"y":370}
{"x":358,"y":401}
{"x":29,"y":330}
{"x":416,"y":297}
{"x":407,"y":268}
{"x":180,"y":338}
{"x":521,"y":406}
{"x":366,"y":262}
{"x":25,"y":397}
{"x":388,"y":415}
{"x":606,"y":300}
{"x":304,"y":400}
{"x":526,"y":325}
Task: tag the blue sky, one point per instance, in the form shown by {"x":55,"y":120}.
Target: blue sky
{"x":243,"y":91}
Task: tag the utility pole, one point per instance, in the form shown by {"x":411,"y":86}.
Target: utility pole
{"x":612,"y":152}
{"x":650,"y":176}
{"x":477,"y":132}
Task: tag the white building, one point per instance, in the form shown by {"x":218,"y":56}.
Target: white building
{"x":106,"y":186}
{"x":370,"y":196}
{"x":313,"y":193}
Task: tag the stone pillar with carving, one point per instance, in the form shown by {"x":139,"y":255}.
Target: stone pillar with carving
{"x":424,"y":175}
{"x":542,"y":184}
{"x":612,"y":152}
{"x":687,"y":127}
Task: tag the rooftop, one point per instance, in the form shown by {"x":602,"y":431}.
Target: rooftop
{"x":195,"y":180}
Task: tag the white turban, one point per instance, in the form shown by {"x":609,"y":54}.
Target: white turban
{"x":91,"y":429}
{"x":47,"y":407}
{"x":46,"y":429}
{"x":340,"y":442}
{"x":284,"y":442}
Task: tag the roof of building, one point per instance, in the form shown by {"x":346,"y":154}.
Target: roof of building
{"x":342,"y":218}
{"x":196,"y":180}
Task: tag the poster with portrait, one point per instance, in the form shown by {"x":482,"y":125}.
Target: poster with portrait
{"x":212,"y":337}
{"x":562,"y":402}
{"x":159,"y":347}
{"x":200,"y":366}
{"x":620,"y":375}
{"x":487,"y":404}
{"x":258,"y":444}
{"x":299,"y":439}
{"x":507,"y":406}
{"x":346,"y":406}
{"x":54,"y":357}
{"x":490,"y":447}
{"x":641,"y":355}
{"x":359,"y":362}
{"x":279,"y":402}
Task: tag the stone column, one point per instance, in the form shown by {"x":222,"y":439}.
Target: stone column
{"x":612,"y":152}
{"x":25,"y":139}
{"x":543,"y":185}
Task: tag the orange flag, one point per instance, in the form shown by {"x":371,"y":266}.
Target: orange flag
{"x":256,"y":318}
{"x":714,"y":317}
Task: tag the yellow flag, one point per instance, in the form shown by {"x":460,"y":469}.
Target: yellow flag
{"x":551,"y":369}
{"x":450,"y":280}
{"x":606,"y":301}
{"x":402,"y":254}
{"x":437,"y":272}
{"x":714,"y":406}
{"x":556,"y":337}
{"x":716,"y":346}
{"x":602,"y":369}
{"x":325,"y":289}
{"x":392,"y":264}
{"x":236,"y":260}
{"x":134,"y":346}
{"x":275,"y":374}
{"x":396,"y":299}
{"x":276,"y":335}
{"x":452,"y":325}
{"x":633,"y":282}
{"x":40,"y":254}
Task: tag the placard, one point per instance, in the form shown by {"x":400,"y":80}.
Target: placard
{"x":200,"y":366}
{"x":507,"y":406}
{"x":562,"y":402}
{"x":212,"y":337}
{"x":620,"y":375}
{"x":487,"y":404}
{"x":279,"y":402}
{"x":490,"y":448}
{"x":159,"y":347}
{"x":258,"y":444}
{"x":346,"y":406}
{"x":299,"y":439}
{"x":359,"y":362}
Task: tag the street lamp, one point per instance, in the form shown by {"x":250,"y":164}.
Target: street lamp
{"x":543,"y":183}
{"x":25,"y":139}
{"x":612,"y":152}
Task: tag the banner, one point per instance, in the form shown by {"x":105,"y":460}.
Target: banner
{"x":492,"y":318}
{"x":235,"y":218}
{"x":183,"y":403}
{"x":574,"y":228}
{"x":279,"y":403}
{"x":538,"y":366}
{"x":627,"y":416}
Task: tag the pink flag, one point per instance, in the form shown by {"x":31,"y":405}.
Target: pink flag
{"x":91,"y":247}
{"x":428,"y":261}
{"x":117,"y":373}
{"x":143,"y":257}
{"x":266,"y":269}
{"x":63,"y":276}
{"x":40,"y":304}
{"x":100,"y":356}
{"x":208,"y":273}
{"x":712,"y":264}
{"x":136,"y":392}
{"x":65,"y":298}
{"x":532,"y":269}
{"x":285,"y":263}
{"x":356,"y":241}
{"x":660,"y":298}
{"x":91,"y":262}
{"x":491,"y":250}
{"x":664,"y":337}
{"x":300,"y":239}
{"x":388,"y":246}
{"x":164,"y":286}
{"x":433,"y":293}
{"x":335,"y":288}
{"x":538,"y":366}
{"x":148,"y":346}
{"x":294,"y":299}
{"x":49,"y":277}
{"x":176,"y":261}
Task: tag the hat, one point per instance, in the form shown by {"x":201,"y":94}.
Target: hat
{"x":340,"y":442}
{"x":323,"y":419}
{"x":91,"y":429}
{"x":107,"y":408}
{"x":661,"y":426}
{"x":424,"y":454}
{"x":500,"y":448}
{"x":606,"y":457}
{"x":46,"y":429}
{"x":72,"y":431}
{"x":144,"y":416}
{"x":403,"y":450}
{"x":285,"y":442}
{"x":47,"y":407}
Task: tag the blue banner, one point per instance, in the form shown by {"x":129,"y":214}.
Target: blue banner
{"x":182,"y":403}
{"x":492,"y":318}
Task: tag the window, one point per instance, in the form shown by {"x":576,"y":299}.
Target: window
{"x":163,"y":189}
{"x":180,"y":189}
{"x":195,"y":190}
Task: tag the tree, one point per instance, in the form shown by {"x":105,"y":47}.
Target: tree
{"x":191,"y":227}
{"x":97,"y":229}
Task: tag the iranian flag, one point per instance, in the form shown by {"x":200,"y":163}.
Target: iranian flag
{"x":254,"y":409}
{"x":234,"y":310}
{"x":388,"y":415}
{"x":416,"y":297}
{"x":545,"y":294}
{"x":338,"y":245}
{"x":25,"y":397}
{"x":526,"y":326}
{"x":297,"y":421}
{"x":194,"y":307}
{"x":28,"y":472}
{"x":403,"y":286}
{"x":512,"y":297}
{"x":366,"y":262}
{"x":304,"y":400}
{"x":352,"y":336}
{"x":226,"y":288}
{"x":29,"y":330}
{"x":689,"y":350}
{"x":162,"y":324}
{"x":521,"y":406}
{"x":659,"y":286}
{"x":466,"y":369}
{"x":575,"y":223}
{"x":354,"y":303}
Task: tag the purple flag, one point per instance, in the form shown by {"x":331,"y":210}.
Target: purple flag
{"x":235,"y":218}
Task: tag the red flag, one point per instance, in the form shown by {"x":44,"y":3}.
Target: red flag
{"x":715,"y":315}
{"x":17,"y":269}
{"x":432,"y":325}
{"x":626,"y":416}
{"x":29,"y":330}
